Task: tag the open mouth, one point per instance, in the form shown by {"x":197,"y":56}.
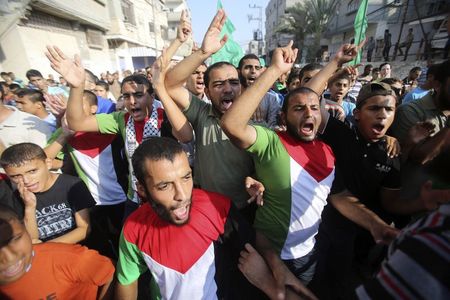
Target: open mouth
{"x":307,"y":128}
{"x":181,"y":213}
{"x":251,"y":80}
{"x":199,"y":85}
{"x":13,"y":270}
{"x":226,"y":104}
{"x":378,"y":128}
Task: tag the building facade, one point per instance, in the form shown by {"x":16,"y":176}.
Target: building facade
{"x":109,"y":35}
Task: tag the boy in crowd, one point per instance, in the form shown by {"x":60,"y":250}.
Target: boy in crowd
{"x":39,"y":82}
{"x":48,"y":270}
{"x":98,"y":162}
{"x":55,"y":206}
{"x":339,"y":86}
{"x":33,"y":102}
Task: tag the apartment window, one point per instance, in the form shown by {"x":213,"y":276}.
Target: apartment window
{"x":151,"y":27}
{"x":94,"y":38}
{"x":42,"y":20}
{"x":128,"y":12}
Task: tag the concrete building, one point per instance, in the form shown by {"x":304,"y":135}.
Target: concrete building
{"x":275,"y":11}
{"x":396,"y":16}
{"x":109,"y":35}
{"x":174,"y":9}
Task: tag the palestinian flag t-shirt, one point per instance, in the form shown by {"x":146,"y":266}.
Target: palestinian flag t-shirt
{"x":186,"y":261}
{"x":297,"y":177}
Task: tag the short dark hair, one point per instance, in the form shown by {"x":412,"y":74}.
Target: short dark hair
{"x":7,"y":214}
{"x":2,"y":93}
{"x":91,"y":76}
{"x":294,"y":74}
{"x":217,"y":65}
{"x":383,"y":64}
{"x":90,"y":97}
{"x":299,"y":90}
{"x":155,"y":149}
{"x":104,"y":84}
{"x":309,"y":67}
{"x":18,"y":154}
{"x":33,"y":95}
{"x":138,"y":79}
{"x":33,"y":73}
{"x":247,"y":56}
{"x":14,"y":86}
{"x":392,"y":80}
{"x":415,"y":69}
{"x":414,"y":175}
{"x":369,"y":66}
{"x":375,"y":70}
{"x":339,"y":77}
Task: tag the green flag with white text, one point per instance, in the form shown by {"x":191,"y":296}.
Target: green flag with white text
{"x":230,"y":52}
{"x":360,"y":28}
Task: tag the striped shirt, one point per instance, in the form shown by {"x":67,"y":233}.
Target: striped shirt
{"x":418,"y":262}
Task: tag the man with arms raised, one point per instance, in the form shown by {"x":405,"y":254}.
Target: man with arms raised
{"x":219,"y":166}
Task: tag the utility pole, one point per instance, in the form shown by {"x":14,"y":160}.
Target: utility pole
{"x":259,"y":35}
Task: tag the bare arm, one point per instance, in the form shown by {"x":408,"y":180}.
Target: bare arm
{"x":235,"y":121}
{"x":80,"y":232}
{"x":126,"y":292}
{"x":431,"y":147}
{"x":179,"y":74}
{"x":29,"y":201}
{"x":345,"y":54}
{"x":105,"y":292}
{"x":350,"y":206}
{"x":181,"y":128}
{"x":74,"y":73}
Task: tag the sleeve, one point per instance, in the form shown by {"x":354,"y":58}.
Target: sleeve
{"x":39,"y":134}
{"x":131,"y":264}
{"x":79,"y":196}
{"x":264,"y":138}
{"x":53,"y":138}
{"x":88,"y":266}
{"x":405,"y":117}
{"x":274,"y":109}
{"x":195,"y":110}
{"x":109,"y":123}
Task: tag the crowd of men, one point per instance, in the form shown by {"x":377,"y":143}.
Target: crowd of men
{"x":196,"y":181}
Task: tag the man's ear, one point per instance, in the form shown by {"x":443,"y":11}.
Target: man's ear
{"x":93,"y":109}
{"x":140,"y":190}
{"x":206,"y":90}
{"x":283,"y":118}
{"x":356,"y":114}
{"x":49,"y":163}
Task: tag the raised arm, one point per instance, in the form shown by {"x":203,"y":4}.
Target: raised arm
{"x":177,"y":76}
{"x":73,"y":72}
{"x":181,"y":128}
{"x":346,"y":53}
{"x":235,"y":121}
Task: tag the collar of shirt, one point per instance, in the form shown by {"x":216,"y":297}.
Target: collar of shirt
{"x":13,"y":119}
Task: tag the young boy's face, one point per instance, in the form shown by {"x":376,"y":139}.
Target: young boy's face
{"x":35,"y":174}
{"x":101,"y":91}
{"x":26,"y":105}
{"x":339,"y":89}
{"x":375,"y":117}
{"x":15,"y":250}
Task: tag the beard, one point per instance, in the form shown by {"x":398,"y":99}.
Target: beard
{"x":292,"y":130}
{"x":163,"y":212}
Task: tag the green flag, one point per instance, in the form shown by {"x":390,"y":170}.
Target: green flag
{"x":360,"y":28}
{"x":231,"y":51}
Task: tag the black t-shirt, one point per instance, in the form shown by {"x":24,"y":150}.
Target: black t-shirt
{"x":56,"y":207}
{"x":361,"y":167}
